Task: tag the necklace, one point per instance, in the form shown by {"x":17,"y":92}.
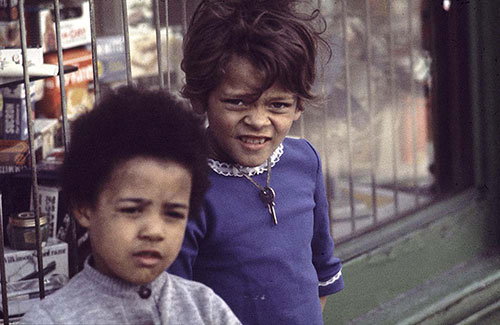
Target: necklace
{"x":266,"y":193}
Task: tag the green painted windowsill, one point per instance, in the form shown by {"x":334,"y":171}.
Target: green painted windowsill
{"x":385,"y":269}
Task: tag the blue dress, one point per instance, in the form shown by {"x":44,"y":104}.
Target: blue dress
{"x":267,"y":273}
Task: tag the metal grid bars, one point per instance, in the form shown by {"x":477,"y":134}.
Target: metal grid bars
{"x":162,"y":28}
{"x":370,"y":129}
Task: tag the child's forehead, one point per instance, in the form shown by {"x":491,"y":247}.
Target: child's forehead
{"x":239,"y":67}
{"x":241,"y":75}
{"x":137,"y":167}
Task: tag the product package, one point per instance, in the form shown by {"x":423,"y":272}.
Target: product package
{"x":22,"y":278}
{"x":74,"y":24}
{"x":79,"y":95}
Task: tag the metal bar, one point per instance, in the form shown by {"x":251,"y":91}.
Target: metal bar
{"x":373,"y":143}
{"x":93,"y":43}
{"x":156,"y":12}
{"x":31,"y":136}
{"x":64,"y":111}
{"x":412,"y":105}
{"x":326,"y":156}
{"x":64,"y":114}
{"x":5,"y":302}
{"x":184,"y":17}
{"x":127,"y":41}
{"x":349,"y":112}
{"x":477,"y":107}
{"x":393,"y":113}
{"x":167,"y":50}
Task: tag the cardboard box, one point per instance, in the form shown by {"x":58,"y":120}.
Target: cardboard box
{"x":78,"y":95}
{"x":111,"y":59}
{"x":14,"y":156}
{"x":143,"y":53}
{"x":9,"y":10}
{"x":21,"y":273}
{"x":14,"y":112}
{"x":45,"y":131}
{"x":23,"y":265}
{"x":51,"y":205}
{"x":15,"y":56}
{"x":9,"y":34}
{"x":22,"y":295}
{"x":14,"y":119}
{"x":75,"y":27}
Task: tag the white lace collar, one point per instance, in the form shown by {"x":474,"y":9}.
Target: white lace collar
{"x":226,"y":169}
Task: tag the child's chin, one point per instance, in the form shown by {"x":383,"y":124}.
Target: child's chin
{"x":142,"y":277}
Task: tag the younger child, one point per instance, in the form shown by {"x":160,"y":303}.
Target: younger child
{"x":263,"y":240}
{"x":134,"y":173}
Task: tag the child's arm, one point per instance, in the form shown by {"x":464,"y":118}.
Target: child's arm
{"x":195,"y":231}
{"x":322,"y":300}
{"x":328,"y":267}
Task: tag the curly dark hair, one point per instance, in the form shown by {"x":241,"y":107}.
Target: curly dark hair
{"x":278,"y":39}
{"x":127,"y":123}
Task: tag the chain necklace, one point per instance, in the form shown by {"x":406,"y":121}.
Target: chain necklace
{"x":266,"y":194}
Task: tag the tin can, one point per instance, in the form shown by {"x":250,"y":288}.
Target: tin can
{"x":21,"y":231}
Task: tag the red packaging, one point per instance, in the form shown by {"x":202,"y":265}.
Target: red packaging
{"x":78,"y":96}
{"x":8,"y":10}
{"x":14,"y":156}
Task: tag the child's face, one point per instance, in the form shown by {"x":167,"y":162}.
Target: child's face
{"x":137,"y":226}
{"x":248,"y":128}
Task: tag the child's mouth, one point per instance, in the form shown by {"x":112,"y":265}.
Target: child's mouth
{"x":253,"y":140}
{"x":147,"y":258}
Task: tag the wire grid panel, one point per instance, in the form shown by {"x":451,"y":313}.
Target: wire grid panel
{"x":371,"y":126}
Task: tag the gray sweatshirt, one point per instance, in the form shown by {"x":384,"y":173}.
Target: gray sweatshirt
{"x":93,"y":298}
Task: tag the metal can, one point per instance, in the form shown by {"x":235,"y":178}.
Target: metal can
{"x":21,"y":231}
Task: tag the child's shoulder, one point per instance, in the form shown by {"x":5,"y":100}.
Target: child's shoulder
{"x":190,"y":287}
{"x":299,"y":146}
{"x":61,"y":302}
{"x":198,"y":300}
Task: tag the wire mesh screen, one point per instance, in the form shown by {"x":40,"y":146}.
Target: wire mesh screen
{"x":370,"y":123}
{"x":371,"y":126}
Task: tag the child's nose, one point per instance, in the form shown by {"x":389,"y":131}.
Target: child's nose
{"x":257,"y":117}
{"x":151,"y":228}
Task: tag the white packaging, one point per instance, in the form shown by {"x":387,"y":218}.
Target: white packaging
{"x":74,"y":31}
{"x":23,"y":264}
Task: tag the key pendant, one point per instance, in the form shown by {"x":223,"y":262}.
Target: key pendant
{"x":267,"y":196}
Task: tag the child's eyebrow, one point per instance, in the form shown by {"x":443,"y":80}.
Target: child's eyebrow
{"x":254,"y":96}
{"x":131,"y":199}
{"x":282,"y":97}
{"x":239,"y":94}
{"x":144,"y":202}
{"x":176,"y":206}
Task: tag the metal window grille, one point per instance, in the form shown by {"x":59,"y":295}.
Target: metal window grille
{"x":370,"y":127}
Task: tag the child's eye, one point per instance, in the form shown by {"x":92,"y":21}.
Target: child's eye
{"x":175,"y":214}
{"x":234,"y":103}
{"x":130,"y":210}
{"x":277,"y":106}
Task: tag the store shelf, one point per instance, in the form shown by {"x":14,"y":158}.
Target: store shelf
{"x":67,"y":69}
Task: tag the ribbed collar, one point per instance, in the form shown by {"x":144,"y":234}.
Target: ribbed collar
{"x":119,"y":288}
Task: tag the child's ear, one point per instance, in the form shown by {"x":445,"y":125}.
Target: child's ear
{"x":198,"y":106}
{"x":82,"y":215}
